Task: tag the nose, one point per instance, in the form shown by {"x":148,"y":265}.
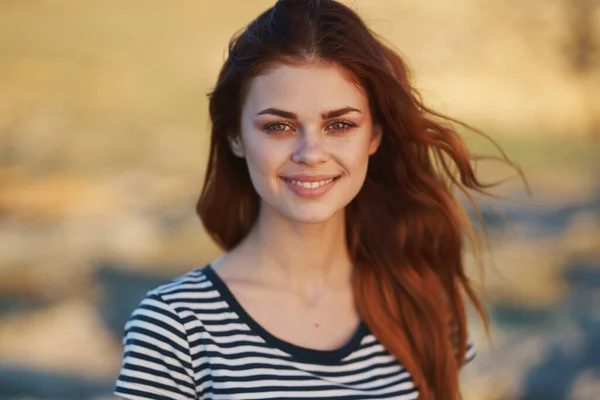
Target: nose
{"x":311,"y":149}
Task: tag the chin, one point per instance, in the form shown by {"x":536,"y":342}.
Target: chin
{"x":314,"y":216}
{"x":310,"y":220}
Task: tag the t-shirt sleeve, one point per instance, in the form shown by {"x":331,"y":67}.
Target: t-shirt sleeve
{"x":471,"y":351}
{"x":157,"y":364}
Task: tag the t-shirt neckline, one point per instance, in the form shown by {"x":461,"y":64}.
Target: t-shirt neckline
{"x":326,"y":357}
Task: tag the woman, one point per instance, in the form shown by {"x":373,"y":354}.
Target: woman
{"x":329,"y":185}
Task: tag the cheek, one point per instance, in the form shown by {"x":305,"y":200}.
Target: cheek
{"x":358,"y":169}
{"x":264,"y":159}
{"x":354,"y":156}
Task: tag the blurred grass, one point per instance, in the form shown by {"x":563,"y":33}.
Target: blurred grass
{"x":109,"y":85}
{"x":535,"y":148}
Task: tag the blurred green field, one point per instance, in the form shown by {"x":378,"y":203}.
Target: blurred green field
{"x":101,"y":85}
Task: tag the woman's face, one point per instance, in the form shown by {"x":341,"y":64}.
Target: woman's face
{"x":306,"y":135}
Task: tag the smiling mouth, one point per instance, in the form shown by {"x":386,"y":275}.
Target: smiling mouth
{"x":310,"y":184}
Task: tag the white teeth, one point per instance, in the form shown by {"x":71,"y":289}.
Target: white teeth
{"x":310,"y":185}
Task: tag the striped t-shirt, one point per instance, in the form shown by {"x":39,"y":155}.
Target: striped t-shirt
{"x":191,"y":339}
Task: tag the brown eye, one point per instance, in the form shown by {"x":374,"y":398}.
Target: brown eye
{"x":278,"y":127}
{"x":341,"y":126}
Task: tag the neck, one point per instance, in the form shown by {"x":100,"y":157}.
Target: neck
{"x":309,"y":259}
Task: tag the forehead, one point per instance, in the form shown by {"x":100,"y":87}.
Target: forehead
{"x":305,"y":89}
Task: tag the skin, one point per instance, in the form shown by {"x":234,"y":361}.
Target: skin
{"x":296,"y":255}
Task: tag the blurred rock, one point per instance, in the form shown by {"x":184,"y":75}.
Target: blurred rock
{"x":538,"y":220}
{"x":523,"y":272}
{"x":68,"y":337}
{"x":522,"y":316}
{"x":17,"y":382}
{"x":550,"y":352}
{"x":586,"y":386}
{"x":498,"y":370}
{"x":122,"y":291}
{"x":563,"y":365}
{"x":49,"y":246}
{"x":10,"y":306}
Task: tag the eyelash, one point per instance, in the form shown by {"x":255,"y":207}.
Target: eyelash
{"x":348,"y":126}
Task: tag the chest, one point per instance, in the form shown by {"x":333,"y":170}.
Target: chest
{"x":326,"y":324}
{"x":368,"y":372}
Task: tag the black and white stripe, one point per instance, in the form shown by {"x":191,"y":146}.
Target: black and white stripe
{"x":190,"y":339}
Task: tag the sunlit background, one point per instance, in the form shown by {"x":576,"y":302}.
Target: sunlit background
{"x":103,"y":144}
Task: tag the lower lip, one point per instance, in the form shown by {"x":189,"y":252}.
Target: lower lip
{"x":309,"y":192}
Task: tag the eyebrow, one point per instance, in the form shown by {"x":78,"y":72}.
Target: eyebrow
{"x":290,"y":115}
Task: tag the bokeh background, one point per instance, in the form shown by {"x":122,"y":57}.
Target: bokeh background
{"x":103,"y":144}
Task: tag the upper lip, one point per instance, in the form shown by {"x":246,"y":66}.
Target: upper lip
{"x":309,"y":178}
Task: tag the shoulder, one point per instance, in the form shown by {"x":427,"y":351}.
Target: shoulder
{"x":158,"y":349}
{"x":193,"y":280}
{"x":168,"y":309}
{"x":184,"y":292}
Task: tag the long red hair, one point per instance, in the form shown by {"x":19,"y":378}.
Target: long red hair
{"x":405,"y":228}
